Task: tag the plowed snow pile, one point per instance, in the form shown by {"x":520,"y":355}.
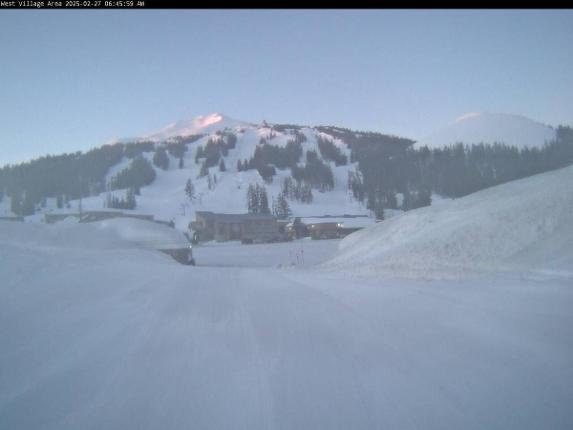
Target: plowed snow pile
{"x":108,"y":235}
{"x":523,"y":226}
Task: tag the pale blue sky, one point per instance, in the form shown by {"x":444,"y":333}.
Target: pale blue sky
{"x":72,"y":80}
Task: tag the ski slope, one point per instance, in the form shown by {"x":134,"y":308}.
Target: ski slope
{"x":522,"y":226}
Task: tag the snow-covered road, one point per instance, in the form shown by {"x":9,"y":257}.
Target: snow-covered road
{"x":301,"y":253}
{"x":127,"y":339}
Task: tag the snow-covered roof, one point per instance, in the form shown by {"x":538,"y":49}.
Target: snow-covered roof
{"x":222,"y":217}
{"x":346,"y":222}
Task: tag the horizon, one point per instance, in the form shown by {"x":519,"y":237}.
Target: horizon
{"x":72,"y":87}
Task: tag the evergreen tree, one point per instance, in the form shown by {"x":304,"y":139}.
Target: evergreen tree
{"x":23,"y":205}
{"x":190,"y":190}
{"x":252,"y":204}
{"x":379,"y":212}
{"x":181,"y":162}
{"x":160,"y":158}
{"x":204,"y":171}
{"x":306,"y":194}
{"x":199,"y":154}
{"x":222,"y":166}
{"x":16,"y":203}
{"x":281,"y":208}
{"x":130,"y":202}
{"x":257,"y":199}
{"x":139,"y":173}
{"x":263,"y":201}
{"x":287,"y":188}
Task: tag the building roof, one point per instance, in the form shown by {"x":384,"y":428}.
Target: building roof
{"x":220,"y":217}
{"x":346,"y":222}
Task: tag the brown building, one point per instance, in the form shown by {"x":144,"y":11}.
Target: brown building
{"x":248,"y":228}
{"x":297,"y":229}
{"x":324,"y":230}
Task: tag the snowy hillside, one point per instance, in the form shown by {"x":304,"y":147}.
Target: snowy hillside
{"x":513,"y":130}
{"x":208,"y":163}
{"x":523,"y":225}
{"x":109,"y":235}
{"x":225,"y":191}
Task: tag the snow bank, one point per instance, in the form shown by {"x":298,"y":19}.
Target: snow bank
{"x":523,"y":225}
{"x":119,"y":233}
{"x":144,"y":233}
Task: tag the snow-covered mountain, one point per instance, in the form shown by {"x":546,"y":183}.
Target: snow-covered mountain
{"x":203,"y":124}
{"x":513,"y":130}
{"x":225,"y":191}
{"x":223,"y":156}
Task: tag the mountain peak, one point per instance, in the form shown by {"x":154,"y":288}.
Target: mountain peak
{"x":201,"y":124}
{"x":489,"y":127}
{"x":467,"y":116}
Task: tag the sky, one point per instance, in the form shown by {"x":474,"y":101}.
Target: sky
{"x":73,"y":80}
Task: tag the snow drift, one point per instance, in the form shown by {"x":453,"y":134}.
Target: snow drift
{"x":144,"y":233}
{"x":513,"y":130}
{"x":525,"y":225}
{"x":108,"y":235}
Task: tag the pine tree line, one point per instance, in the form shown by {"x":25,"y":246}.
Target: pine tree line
{"x":160,"y":158}
{"x":330,"y":151}
{"x":281,"y":208}
{"x":257,"y":199}
{"x":297,"y":190}
{"x":138,"y":174}
{"x":115,"y":202}
{"x":315,"y":172}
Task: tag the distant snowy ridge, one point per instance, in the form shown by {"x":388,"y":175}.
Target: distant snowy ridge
{"x":483,"y":127}
{"x":198,"y":125}
{"x":524,"y":225}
